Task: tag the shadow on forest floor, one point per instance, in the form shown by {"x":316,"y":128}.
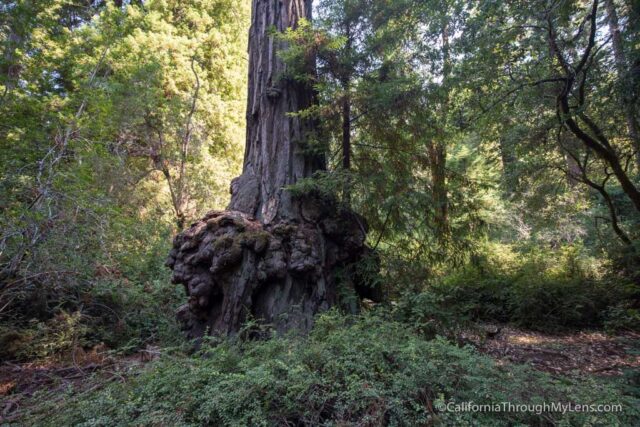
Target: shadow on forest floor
{"x":589,"y":352}
{"x":53,"y":380}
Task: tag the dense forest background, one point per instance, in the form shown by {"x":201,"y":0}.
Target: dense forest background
{"x":119,"y":125}
{"x":492,"y":147}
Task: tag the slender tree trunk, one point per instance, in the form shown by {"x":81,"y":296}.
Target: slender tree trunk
{"x":438,"y":152}
{"x":271,"y":256}
{"x":438,"y":161}
{"x":346,"y":132}
{"x":345,"y":81}
{"x":622,"y":69}
{"x":510,"y":180}
{"x":569,"y":147}
{"x":509,"y":161}
{"x":573,"y":168}
{"x":346,"y":139}
{"x":12,"y":68}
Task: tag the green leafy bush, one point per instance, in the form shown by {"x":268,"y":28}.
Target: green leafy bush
{"x":129,"y":315}
{"x":367,"y":370}
{"x":125,"y":302}
{"x":622,"y":317}
{"x":540,"y":290}
{"x":86,"y":213}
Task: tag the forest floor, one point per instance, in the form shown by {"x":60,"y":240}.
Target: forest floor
{"x":588,"y":352}
{"x":52,"y":380}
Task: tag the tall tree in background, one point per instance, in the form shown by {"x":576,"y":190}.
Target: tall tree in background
{"x":385,"y":88}
{"x":275,"y":254}
{"x":565,"y":73}
{"x":624,"y":76}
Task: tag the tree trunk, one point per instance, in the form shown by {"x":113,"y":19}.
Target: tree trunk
{"x":570,"y":147}
{"x":346,"y":127}
{"x":438,"y":151}
{"x":274,"y":155}
{"x":10,"y":68}
{"x":346,"y":139}
{"x":624,"y":76}
{"x":271,"y":256}
{"x":346,"y":113}
{"x":438,"y":162}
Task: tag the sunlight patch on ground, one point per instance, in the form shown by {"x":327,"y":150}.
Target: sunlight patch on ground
{"x":6,"y":387}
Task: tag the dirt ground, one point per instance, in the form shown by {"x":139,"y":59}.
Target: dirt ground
{"x":84,"y":372}
{"x":590,"y":352}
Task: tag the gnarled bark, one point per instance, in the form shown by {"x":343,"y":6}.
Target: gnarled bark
{"x":235,"y":268}
{"x":271,"y":257}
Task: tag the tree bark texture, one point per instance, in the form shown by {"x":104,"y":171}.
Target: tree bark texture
{"x":270,"y":257}
{"x":275,"y":155}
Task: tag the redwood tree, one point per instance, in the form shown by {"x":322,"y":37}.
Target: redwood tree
{"x":271,"y":256}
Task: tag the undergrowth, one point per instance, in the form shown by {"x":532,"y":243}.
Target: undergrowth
{"x":547,"y":290}
{"x":366,"y":370}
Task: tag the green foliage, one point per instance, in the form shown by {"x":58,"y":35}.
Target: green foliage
{"x":116,"y":313}
{"x":622,"y":317}
{"x":125,"y":315}
{"x":120,"y":124}
{"x":117,"y":123}
{"x":370,"y":56}
{"x":38,"y":340}
{"x":507,"y":167}
{"x":349,"y":371}
{"x":547,"y":290}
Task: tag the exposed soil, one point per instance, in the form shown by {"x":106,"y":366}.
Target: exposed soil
{"x":86,"y":371}
{"x":590,"y":352}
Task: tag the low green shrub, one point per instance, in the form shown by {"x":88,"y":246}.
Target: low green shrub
{"x":129,"y":315}
{"x":548,"y":290}
{"x":122,"y":301}
{"x":117,"y":314}
{"x":622,"y":317}
{"x":367,"y":370}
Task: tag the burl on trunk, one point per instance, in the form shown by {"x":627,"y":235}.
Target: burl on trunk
{"x":270,"y":257}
